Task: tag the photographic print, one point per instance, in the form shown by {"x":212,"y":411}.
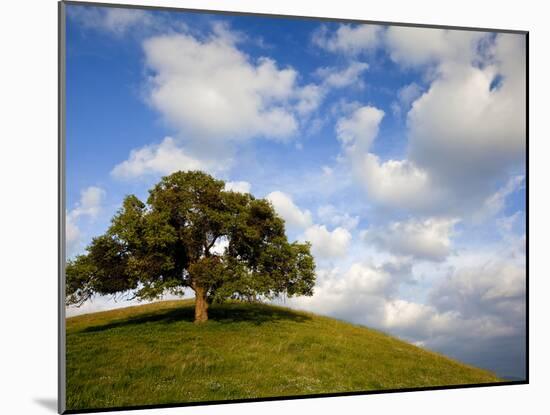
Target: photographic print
{"x":270,"y":207}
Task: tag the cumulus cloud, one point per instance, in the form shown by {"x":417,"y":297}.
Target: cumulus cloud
{"x":357,"y":131}
{"x":484,"y":300}
{"x":397,"y":183}
{"x":196,"y":85}
{"x":89,"y":205}
{"x":292,"y":214}
{"x":428,"y":239}
{"x":506,"y":226}
{"x":350,"y":75}
{"x":356,"y":294}
{"x":116,"y":21}
{"x":495,"y":202}
{"x":406,"y":95}
{"x":163,"y":158}
{"x":327,"y":244}
{"x":310,"y":97}
{"x":349,"y":39}
{"x":194,"y":82}
{"x":465,"y":131}
{"x":393,"y":182}
{"x":409,"y":46}
{"x":461,"y":129}
{"x":405,"y":315}
{"x":240,"y":187}
{"x":491,"y":288}
{"x":413,"y":46}
{"x":331,"y":215}
{"x":72,"y":234}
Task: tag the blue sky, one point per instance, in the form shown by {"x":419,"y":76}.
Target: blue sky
{"x":397,"y":152}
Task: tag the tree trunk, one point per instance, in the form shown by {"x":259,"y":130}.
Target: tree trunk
{"x":201,"y":305}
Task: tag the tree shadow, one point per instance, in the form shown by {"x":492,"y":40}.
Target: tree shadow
{"x":256,"y":314}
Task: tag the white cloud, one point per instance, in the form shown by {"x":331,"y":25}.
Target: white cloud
{"x":327,"y":244}
{"x":398,"y":183}
{"x":461,"y":129}
{"x":465,"y":132}
{"x":350,"y":75}
{"x":402,"y":314}
{"x":357,"y":132}
{"x":240,"y":187}
{"x":72,"y":235}
{"x":331,"y":215}
{"x":89,"y":205}
{"x":117,"y":21}
{"x":409,"y":93}
{"x":349,"y":39}
{"x":356,"y":294}
{"x":196,"y":85}
{"x":495,"y":287}
{"x":292,"y":214}
{"x":406,"y":95}
{"x":473,"y":303}
{"x":214,"y":96}
{"x":309,"y":98}
{"x":164,"y":158}
{"x":412,"y":46}
{"x":495,"y":203}
{"x":428,"y":239}
{"x":506,"y":224}
{"x":364,"y":278}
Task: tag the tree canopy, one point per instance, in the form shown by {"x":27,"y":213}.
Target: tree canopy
{"x":193,"y":233}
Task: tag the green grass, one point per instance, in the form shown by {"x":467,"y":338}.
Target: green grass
{"x":155,"y":354}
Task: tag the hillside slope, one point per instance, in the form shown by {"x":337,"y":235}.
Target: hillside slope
{"x":154,"y":354}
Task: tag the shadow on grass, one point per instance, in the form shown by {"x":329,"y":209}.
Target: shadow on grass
{"x":256,"y":314}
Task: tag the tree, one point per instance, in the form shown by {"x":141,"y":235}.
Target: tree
{"x":193,"y":233}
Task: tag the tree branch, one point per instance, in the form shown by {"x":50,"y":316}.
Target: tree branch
{"x":210,"y":245}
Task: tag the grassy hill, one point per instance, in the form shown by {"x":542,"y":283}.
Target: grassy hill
{"x":154,"y":354}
